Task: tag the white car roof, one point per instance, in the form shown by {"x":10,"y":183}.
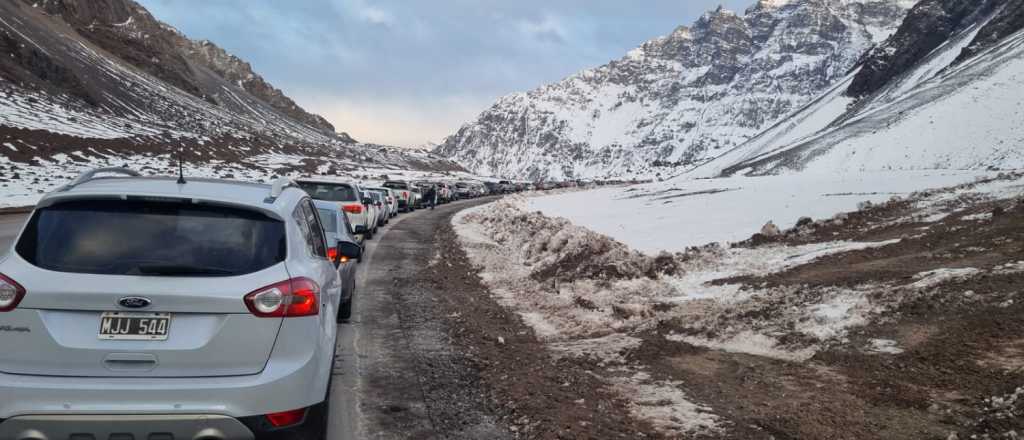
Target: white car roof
{"x":227,"y":192}
{"x":326,"y":180}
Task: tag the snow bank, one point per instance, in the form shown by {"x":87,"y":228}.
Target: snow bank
{"x":571,"y":283}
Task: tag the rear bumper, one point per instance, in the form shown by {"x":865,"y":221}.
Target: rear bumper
{"x":295,"y":377}
{"x":164,"y":427}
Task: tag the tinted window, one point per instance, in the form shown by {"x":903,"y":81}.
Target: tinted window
{"x":328,"y":219}
{"x":312,"y":233}
{"x":328,"y":191}
{"x":396,"y":185}
{"x":114,"y":237}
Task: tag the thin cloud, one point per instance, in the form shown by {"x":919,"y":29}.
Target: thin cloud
{"x":548,"y":29}
{"x":408,"y":71}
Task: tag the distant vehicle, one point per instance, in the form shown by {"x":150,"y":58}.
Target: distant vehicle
{"x":416,"y":198}
{"x":349,"y":197}
{"x":445,"y":193}
{"x":153,"y":305}
{"x":342,"y":246}
{"x":373,"y":212}
{"x":463,"y":191}
{"x":507,"y":186}
{"x":390,"y":200}
{"x":493,"y":187}
{"x":404,"y":193}
{"x":380,"y":202}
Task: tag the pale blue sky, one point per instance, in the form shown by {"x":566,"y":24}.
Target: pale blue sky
{"x":405,"y":72}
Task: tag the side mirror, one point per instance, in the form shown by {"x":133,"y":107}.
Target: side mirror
{"x":349,"y":251}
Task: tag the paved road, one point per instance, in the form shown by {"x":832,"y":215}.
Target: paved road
{"x":396,"y":376}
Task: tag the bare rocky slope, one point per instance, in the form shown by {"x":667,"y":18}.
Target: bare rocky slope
{"x":942,"y":93}
{"x":681,"y":99}
{"x":103,"y":82}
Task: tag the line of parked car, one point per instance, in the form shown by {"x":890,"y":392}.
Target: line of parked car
{"x":185,"y":308}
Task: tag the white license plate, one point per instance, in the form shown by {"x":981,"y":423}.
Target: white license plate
{"x":132,"y":326}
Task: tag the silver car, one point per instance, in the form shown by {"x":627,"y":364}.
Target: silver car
{"x":341,"y":246}
{"x":146,"y":308}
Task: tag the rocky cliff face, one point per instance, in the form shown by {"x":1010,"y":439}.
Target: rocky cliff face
{"x":103,"y":83}
{"x":130,"y":32}
{"x":680,"y":99}
{"x":930,"y":24}
{"x":942,"y":93}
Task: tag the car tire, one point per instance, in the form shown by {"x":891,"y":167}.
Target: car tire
{"x":345,"y":310}
{"x":368,"y":235}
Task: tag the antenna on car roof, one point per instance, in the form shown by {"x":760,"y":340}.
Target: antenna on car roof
{"x":181,"y":166}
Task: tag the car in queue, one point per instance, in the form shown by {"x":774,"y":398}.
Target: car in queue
{"x":166,"y":308}
{"x":343,"y":249}
{"x":404,"y":193}
{"x":348,"y":196}
{"x":379,"y":202}
{"x":390,"y":204}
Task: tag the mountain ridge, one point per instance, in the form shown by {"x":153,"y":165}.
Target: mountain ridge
{"x":680,"y":99}
{"x":104,"y":82}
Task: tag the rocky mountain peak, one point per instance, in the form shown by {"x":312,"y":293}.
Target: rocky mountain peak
{"x":680,"y":99}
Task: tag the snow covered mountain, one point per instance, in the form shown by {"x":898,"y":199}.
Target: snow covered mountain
{"x":681,"y":99}
{"x":103,"y":82}
{"x":943,"y":93}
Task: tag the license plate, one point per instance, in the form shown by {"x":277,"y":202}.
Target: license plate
{"x":135,"y":326}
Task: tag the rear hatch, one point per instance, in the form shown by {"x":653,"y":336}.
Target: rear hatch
{"x":142,"y":289}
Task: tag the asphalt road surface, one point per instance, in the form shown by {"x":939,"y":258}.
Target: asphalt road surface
{"x":397,"y":375}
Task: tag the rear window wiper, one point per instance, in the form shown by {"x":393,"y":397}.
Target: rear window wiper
{"x":180,"y":269}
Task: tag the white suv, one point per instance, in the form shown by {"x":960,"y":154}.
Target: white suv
{"x":146,"y":308}
{"x":350,"y":198}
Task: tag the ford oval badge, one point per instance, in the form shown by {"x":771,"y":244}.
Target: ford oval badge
{"x":134,"y":302}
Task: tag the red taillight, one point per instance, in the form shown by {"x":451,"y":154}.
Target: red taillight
{"x":405,"y":195}
{"x":287,"y":299}
{"x":11,"y":293}
{"x":332,"y":254}
{"x":287,"y":418}
{"x":353,"y":209}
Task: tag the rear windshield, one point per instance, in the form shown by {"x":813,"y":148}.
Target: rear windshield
{"x":329,"y":191}
{"x":151,"y":239}
{"x":328,"y":220}
{"x":396,"y":185}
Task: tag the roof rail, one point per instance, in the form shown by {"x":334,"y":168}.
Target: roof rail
{"x":278,"y":187}
{"x":91,"y":174}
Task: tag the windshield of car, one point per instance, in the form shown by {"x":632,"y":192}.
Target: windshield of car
{"x":333,"y":192}
{"x":396,"y":185}
{"x":114,"y":237}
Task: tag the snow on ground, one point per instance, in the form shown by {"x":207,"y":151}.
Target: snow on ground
{"x":676,"y":214}
{"x":585,"y":294}
{"x":589,"y":295}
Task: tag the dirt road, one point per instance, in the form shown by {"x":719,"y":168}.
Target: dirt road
{"x":399,"y":375}
{"x":432,"y":355}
